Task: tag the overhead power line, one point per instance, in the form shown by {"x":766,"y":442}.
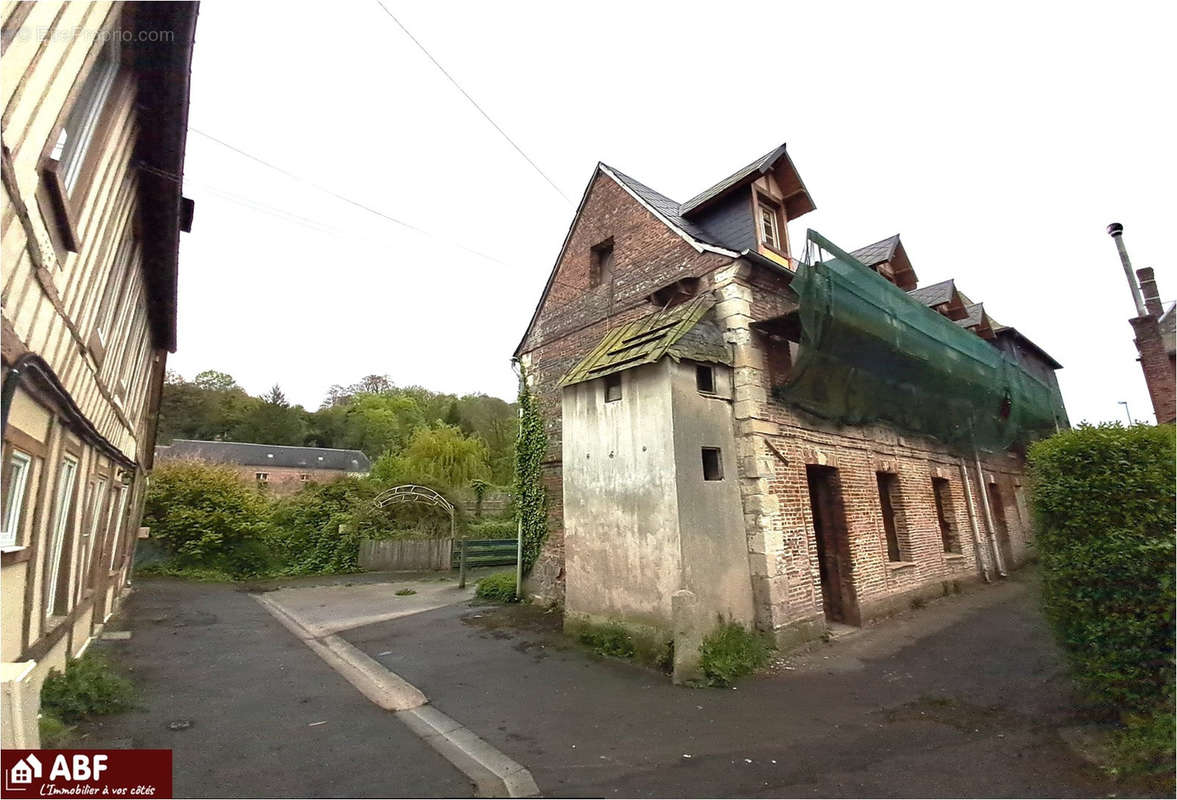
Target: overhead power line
{"x":344,"y":198}
{"x":474,"y":102}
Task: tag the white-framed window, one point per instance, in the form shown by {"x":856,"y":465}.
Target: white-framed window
{"x":63,"y":506}
{"x":90,"y":537}
{"x":117,"y":507}
{"x":770,"y":225}
{"x":19,"y":467}
{"x":69,"y":151}
{"x":304,"y":476}
{"x":261,"y":477}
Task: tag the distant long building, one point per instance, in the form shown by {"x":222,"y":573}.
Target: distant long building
{"x":281,"y":468}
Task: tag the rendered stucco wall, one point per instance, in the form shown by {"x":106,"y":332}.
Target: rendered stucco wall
{"x":621,"y":515}
{"x":713,"y":546}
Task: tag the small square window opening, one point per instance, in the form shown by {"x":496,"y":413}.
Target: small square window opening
{"x":712,"y":464}
{"x":613,"y":387}
{"x":705,"y":378}
{"x":601,"y":270}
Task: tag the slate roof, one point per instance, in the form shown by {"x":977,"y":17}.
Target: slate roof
{"x":934,"y":294}
{"x":759,"y":166}
{"x":976,"y":315}
{"x":265,"y":455}
{"x":666,"y":207}
{"x":878,"y":252}
{"x":680,"y":332}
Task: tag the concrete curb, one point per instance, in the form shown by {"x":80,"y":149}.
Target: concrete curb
{"x":493,"y":773}
{"x":383,"y":687}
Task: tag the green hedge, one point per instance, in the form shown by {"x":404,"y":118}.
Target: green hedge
{"x":1103,"y":499}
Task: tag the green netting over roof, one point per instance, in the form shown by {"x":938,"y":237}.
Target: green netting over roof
{"x":869,"y":353}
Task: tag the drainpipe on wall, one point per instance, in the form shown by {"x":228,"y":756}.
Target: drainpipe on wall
{"x":978,"y":545}
{"x":989,"y":517}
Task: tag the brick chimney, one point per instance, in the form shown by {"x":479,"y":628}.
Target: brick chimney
{"x":1148,"y":288}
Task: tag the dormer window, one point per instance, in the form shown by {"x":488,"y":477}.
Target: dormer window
{"x":601,"y":270}
{"x":770,"y":224}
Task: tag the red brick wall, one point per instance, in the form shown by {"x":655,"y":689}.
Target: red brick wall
{"x":575,"y":317}
{"x":286,"y":480}
{"x":1158,"y":368}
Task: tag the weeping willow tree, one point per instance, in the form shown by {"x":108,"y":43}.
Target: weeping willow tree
{"x":441,"y":456}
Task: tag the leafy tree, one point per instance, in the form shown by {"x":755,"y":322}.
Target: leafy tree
{"x":440,"y":457}
{"x":210,"y":380}
{"x":273,"y":421}
{"x":376,"y":423}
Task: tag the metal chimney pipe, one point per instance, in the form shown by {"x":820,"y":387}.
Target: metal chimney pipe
{"x":1116,"y":231}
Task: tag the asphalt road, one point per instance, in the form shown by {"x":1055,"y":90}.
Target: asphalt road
{"x":963,"y":698}
{"x":267,"y":717}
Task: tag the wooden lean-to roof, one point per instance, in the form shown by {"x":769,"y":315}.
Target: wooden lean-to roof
{"x":669,"y":331}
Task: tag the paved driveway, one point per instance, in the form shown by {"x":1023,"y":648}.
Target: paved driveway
{"x":266,"y":716}
{"x":963,"y":698}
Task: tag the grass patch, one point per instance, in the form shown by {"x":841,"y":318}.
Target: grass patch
{"x":89,"y":687}
{"x":499,"y":587}
{"x":171,"y":569}
{"x":609,"y":639}
{"x":55,"y":734}
{"x":405,"y":592}
{"x":730,"y":652}
{"x":1144,"y":748}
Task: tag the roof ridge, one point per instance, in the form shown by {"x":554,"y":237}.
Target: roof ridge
{"x":264,"y":444}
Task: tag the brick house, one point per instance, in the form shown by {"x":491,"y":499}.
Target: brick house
{"x":282,"y":469}
{"x":95,"y":121}
{"x":682,"y":486}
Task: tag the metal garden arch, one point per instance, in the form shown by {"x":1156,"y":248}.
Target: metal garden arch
{"x":413,"y":493}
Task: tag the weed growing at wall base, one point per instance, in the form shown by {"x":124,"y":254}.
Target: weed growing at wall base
{"x":88,"y":687}
{"x":730,"y":652}
{"x":499,"y":587}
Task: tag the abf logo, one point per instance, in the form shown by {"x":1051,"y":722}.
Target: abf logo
{"x":80,"y":768}
{"x":25,"y":770}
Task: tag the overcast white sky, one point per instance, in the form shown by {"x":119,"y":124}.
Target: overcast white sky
{"x":999,"y":142}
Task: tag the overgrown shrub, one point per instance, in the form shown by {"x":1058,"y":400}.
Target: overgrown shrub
{"x":1103,"y":504}
{"x":730,"y":652}
{"x":88,"y":687}
{"x":305,"y":534}
{"x":492,"y":529}
{"x":609,"y":639}
{"x":204,"y":517}
{"x":499,"y":587}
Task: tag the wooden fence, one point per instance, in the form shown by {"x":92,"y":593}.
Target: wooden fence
{"x":405,"y":554}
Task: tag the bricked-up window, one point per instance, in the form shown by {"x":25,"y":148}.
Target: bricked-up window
{"x":705,"y":378}
{"x":613,"y":387}
{"x":770,"y":224}
{"x":888,"y":491}
{"x":944,"y":515}
{"x":602,"y":263}
{"x":712,"y":464}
